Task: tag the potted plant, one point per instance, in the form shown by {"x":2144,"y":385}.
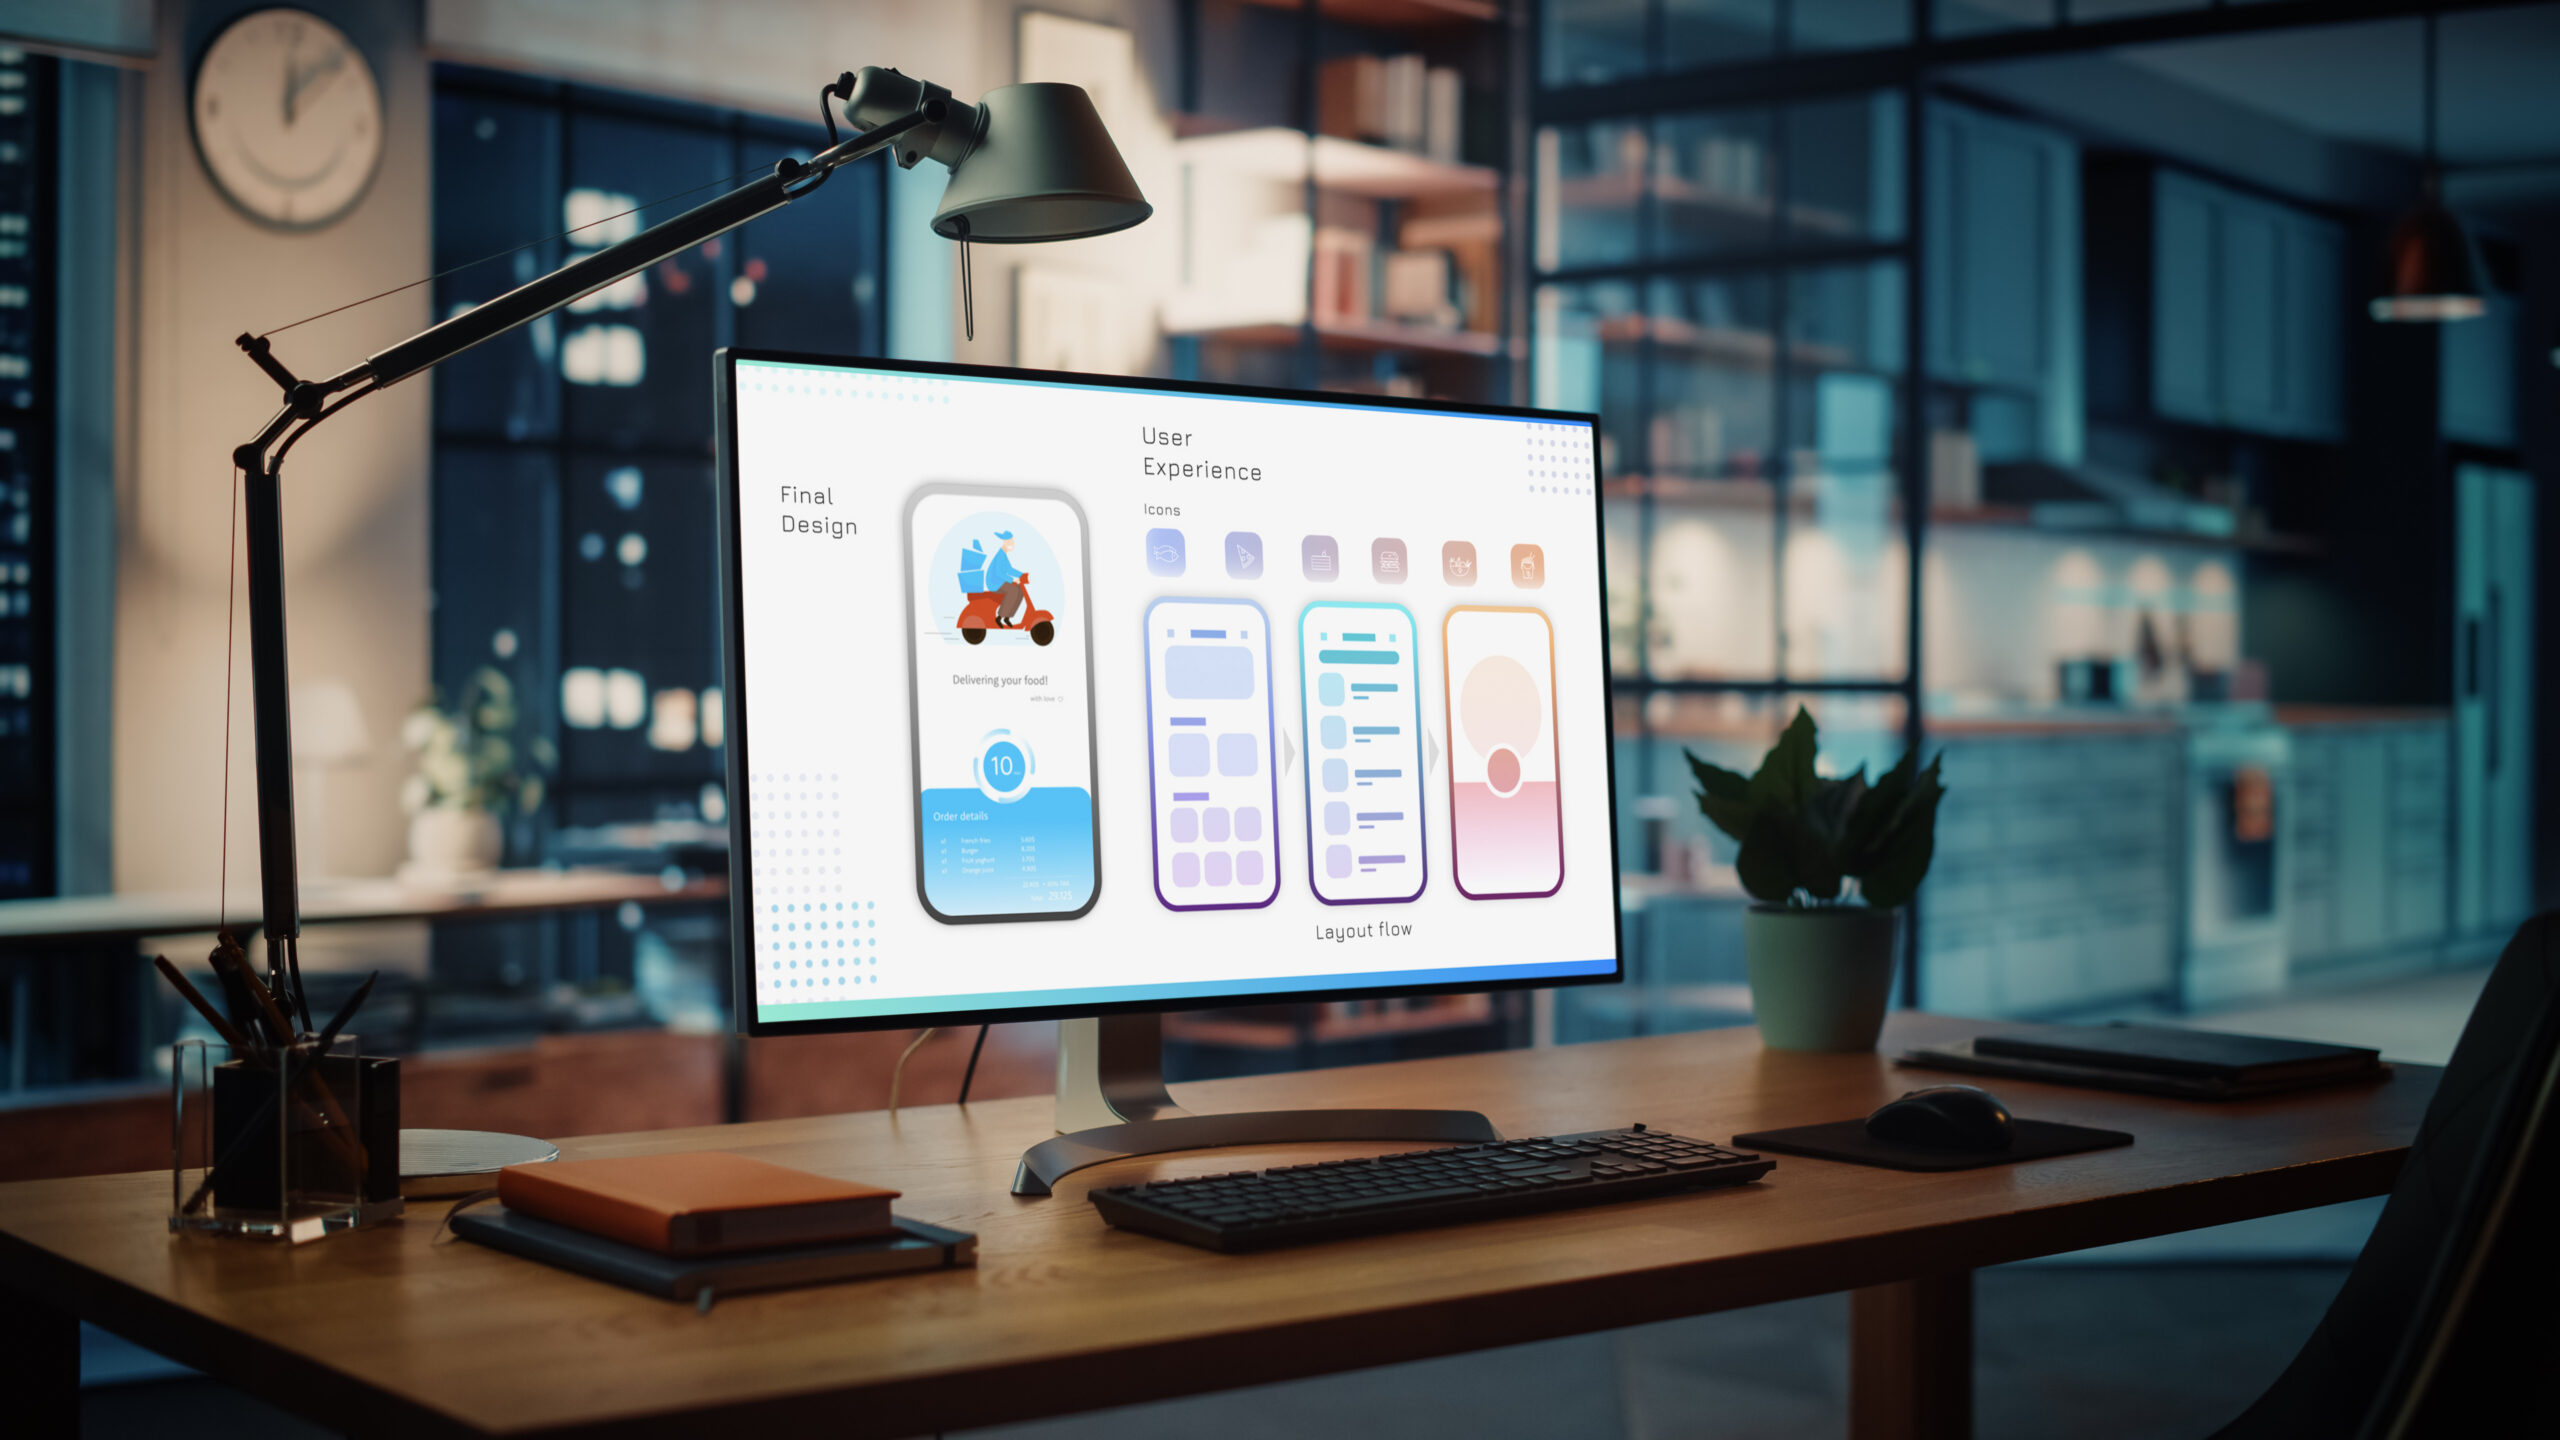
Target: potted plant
{"x":1830,"y":861}
{"x":467,"y":772}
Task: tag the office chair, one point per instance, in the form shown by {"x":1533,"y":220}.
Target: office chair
{"x":2448,"y":1321}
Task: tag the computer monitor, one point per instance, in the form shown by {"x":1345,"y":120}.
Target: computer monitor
{"x":1063,"y":696}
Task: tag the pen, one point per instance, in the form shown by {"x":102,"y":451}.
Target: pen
{"x":230,"y":1033}
{"x":277,"y":1026}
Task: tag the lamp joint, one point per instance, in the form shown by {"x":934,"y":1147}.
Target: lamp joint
{"x":257,"y":348}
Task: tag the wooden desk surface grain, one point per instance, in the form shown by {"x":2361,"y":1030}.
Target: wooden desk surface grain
{"x":382,"y":1333}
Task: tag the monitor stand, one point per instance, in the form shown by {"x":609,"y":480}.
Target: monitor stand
{"x":1112,"y":1105}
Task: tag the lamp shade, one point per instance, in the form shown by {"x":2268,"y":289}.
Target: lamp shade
{"x":2431,"y":274}
{"x":328,"y":724}
{"x":1043,"y":169}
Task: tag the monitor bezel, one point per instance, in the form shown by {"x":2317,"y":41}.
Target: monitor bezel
{"x":745,"y":1020}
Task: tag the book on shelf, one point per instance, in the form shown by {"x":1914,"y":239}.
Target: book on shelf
{"x":1343,"y":258}
{"x":1443,"y":106}
{"x":1399,"y":101}
{"x":1417,"y":289}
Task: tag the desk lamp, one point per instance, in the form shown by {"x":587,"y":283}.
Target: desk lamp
{"x":1028,"y":163}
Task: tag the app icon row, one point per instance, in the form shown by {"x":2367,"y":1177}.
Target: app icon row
{"x":1320,"y":559}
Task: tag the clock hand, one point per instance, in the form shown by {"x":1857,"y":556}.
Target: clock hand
{"x":301,"y":78}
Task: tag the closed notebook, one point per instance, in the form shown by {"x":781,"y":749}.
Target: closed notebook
{"x":703,"y":1202}
{"x":909,"y":1245}
{"x":2161,"y":1050}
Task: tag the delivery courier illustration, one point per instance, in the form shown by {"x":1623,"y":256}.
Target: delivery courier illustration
{"x":998,"y":594}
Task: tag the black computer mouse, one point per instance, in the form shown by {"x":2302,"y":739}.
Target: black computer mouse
{"x":1945,"y":1117}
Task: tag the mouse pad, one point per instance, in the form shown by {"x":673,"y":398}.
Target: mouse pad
{"x":1847,"y":1140}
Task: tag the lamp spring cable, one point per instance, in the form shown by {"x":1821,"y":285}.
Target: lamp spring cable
{"x":528,"y":245}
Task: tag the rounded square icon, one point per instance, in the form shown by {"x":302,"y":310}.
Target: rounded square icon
{"x":1320,"y":557}
{"x":1244,"y":555}
{"x":1528,"y":567}
{"x":1387,"y":561}
{"x":1458,"y":562}
{"x":1164,"y":552}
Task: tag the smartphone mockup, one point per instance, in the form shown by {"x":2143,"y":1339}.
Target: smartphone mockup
{"x":1506,"y":807}
{"x":1210,"y":774}
{"x":999,"y":643}
{"x":1359,"y":679}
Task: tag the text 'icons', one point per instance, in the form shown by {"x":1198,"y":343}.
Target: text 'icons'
{"x":1164,"y":552}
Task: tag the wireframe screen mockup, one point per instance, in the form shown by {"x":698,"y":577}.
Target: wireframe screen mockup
{"x":1050,"y":695}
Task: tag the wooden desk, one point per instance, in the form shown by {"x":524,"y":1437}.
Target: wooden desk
{"x":380,"y":1334}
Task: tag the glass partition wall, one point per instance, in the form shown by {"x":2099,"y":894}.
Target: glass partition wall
{"x":573,"y":542}
{"x":1728,"y":285}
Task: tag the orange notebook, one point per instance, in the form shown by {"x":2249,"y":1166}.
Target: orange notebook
{"x":703,"y":1202}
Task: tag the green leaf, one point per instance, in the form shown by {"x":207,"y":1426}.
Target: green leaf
{"x":1828,"y":808}
{"x":1786,"y":777}
{"x":1724,"y":797}
{"x":1782,"y":855}
{"x":1716,"y":780}
{"x":1907,"y":846}
{"x":1876,"y":812}
{"x":1817,"y":867}
{"x":1733,"y":817}
{"x":1766,"y":865}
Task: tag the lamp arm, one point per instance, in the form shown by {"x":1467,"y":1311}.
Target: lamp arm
{"x":308,"y":402}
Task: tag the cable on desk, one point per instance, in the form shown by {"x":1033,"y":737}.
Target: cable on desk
{"x":898,"y":1073}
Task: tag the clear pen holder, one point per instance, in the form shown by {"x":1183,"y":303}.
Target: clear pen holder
{"x":271,"y":1144}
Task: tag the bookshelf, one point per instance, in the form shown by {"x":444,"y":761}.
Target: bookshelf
{"x":1355,"y":233}
{"x":1400,"y":14}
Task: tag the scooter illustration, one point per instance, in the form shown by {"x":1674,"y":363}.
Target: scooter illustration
{"x":983,"y":613}
{"x":998,"y":595}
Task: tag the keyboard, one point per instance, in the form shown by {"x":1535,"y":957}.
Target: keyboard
{"x":1336,"y":1199}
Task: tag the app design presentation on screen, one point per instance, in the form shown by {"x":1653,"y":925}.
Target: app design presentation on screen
{"x":1054,"y":695}
{"x":1209,"y":766}
{"x":1004,"y":714}
{"x":1506,"y":811}
{"x":1361,"y":686}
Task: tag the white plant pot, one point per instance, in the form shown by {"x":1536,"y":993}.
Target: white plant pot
{"x":445,"y":842}
{"x":1820,"y":979}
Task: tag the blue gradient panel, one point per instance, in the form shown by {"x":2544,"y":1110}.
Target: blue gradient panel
{"x":1032,"y":856}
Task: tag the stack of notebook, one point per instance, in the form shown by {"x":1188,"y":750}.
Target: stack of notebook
{"x":2155,"y":1059}
{"x":680,"y":1225}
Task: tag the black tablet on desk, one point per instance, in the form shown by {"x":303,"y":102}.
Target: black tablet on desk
{"x":2155,"y":1059}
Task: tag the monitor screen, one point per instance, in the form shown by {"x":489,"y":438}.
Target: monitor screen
{"x":1053,"y":694}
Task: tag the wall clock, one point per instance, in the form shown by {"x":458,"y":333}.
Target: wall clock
{"x":288,"y":118}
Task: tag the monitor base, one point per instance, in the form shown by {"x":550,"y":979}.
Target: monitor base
{"x":1112,"y":1104}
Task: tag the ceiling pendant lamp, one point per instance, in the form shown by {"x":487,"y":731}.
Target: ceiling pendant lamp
{"x":2432,"y":278}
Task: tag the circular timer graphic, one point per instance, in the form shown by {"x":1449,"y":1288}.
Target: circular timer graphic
{"x":1499,"y":711}
{"x":1003,"y":767}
